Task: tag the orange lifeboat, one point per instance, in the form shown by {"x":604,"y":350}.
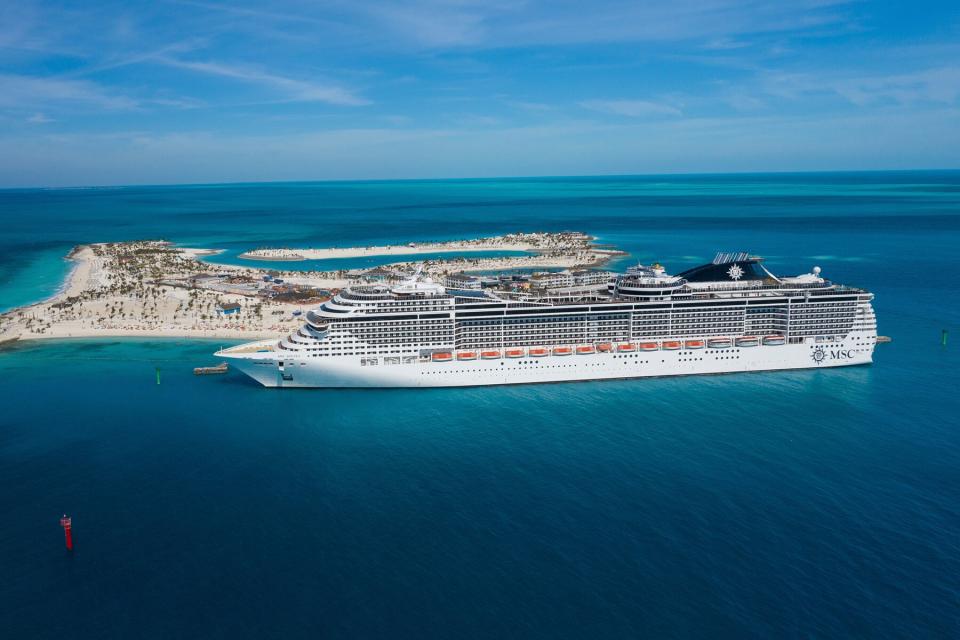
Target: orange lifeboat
{"x":719,"y":343}
{"x":693,"y":344}
{"x":585,"y":350}
{"x":748,"y":341}
{"x":626,"y":347}
{"x":467,"y":355}
{"x":774,"y":341}
{"x":443,"y":356}
{"x":490,"y":355}
{"x":538,"y":352}
{"x":562,"y":351}
{"x":648,"y":346}
{"x":605,"y":347}
{"x":515,"y":353}
{"x":671,"y":345}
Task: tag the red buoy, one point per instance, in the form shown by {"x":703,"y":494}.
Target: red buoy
{"x":66,"y":522}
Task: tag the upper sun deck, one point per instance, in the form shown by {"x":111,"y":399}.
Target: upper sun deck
{"x":728,"y":275}
{"x":731,"y":275}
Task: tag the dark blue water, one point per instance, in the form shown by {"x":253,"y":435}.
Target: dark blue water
{"x":798,"y":504}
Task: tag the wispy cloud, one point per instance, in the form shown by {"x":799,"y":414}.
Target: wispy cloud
{"x":743,"y":101}
{"x":435,"y":24}
{"x":493,"y":24}
{"x":23,"y":91}
{"x":632,"y":108}
{"x":292,"y":89}
{"x":298,"y":16}
{"x":939,"y":85}
{"x":530,"y":83}
{"x":575,"y":148}
{"x":529,"y":106}
{"x":725,"y":44}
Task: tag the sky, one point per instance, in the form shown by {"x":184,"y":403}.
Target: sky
{"x":102,"y":93}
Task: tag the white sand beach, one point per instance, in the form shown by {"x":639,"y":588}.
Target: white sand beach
{"x":531,"y":242}
{"x":105,"y":296}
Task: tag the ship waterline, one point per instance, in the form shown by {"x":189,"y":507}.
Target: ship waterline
{"x":731,"y":315}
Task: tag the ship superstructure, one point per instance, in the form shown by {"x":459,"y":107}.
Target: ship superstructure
{"x":726,"y":316}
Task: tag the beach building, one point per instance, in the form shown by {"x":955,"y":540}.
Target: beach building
{"x":228,"y":308}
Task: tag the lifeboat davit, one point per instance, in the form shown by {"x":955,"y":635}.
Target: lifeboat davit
{"x":671,"y":345}
{"x":515,"y":353}
{"x":562,"y":351}
{"x":748,"y":341}
{"x":443,"y":356}
{"x":605,"y":347}
{"x":774,"y":341}
{"x":538,"y":352}
{"x":719,"y":343}
{"x":648,"y":346}
{"x":490,"y":355}
{"x":467,"y":355}
{"x":626,"y":347}
{"x":586,"y":349}
{"x":693,"y":344}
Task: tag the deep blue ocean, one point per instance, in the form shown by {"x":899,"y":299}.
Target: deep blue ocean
{"x":808,"y":504}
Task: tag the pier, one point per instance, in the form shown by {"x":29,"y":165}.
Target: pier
{"x":209,"y":371}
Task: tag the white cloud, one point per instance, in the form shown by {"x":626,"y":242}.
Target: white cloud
{"x":489,"y":23}
{"x":529,"y":106}
{"x":451,"y":24}
{"x":33,"y":91}
{"x":769,"y":143}
{"x":725,"y":44}
{"x":743,"y":101}
{"x":293,"y":89}
{"x":939,"y":85}
{"x":40,"y":118}
{"x":632,"y":108}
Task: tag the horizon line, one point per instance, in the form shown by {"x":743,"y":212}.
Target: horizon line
{"x":477,"y":178}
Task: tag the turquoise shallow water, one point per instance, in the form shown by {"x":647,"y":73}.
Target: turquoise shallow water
{"x":796,"y":504}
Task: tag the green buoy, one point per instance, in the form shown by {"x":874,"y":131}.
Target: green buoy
{"x":158,"y":375}
{"x":943,"y":338}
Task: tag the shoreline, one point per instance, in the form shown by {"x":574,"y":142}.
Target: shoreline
{"x":98,"y":299}
{"x":534,"y":243}
{"x":179,"y":334}
{"x":386,"y":251}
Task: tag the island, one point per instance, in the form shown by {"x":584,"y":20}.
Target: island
{"x":151,"y":288}
{"x":567,"y":249}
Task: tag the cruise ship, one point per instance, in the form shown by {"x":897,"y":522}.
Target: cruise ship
{"x":731,"y":315}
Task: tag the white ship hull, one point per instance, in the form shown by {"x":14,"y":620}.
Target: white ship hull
{"x":420,"y":334}
{"x":347,"y":371}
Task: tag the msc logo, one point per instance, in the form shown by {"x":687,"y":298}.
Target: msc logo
{"x":820,"y":355}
